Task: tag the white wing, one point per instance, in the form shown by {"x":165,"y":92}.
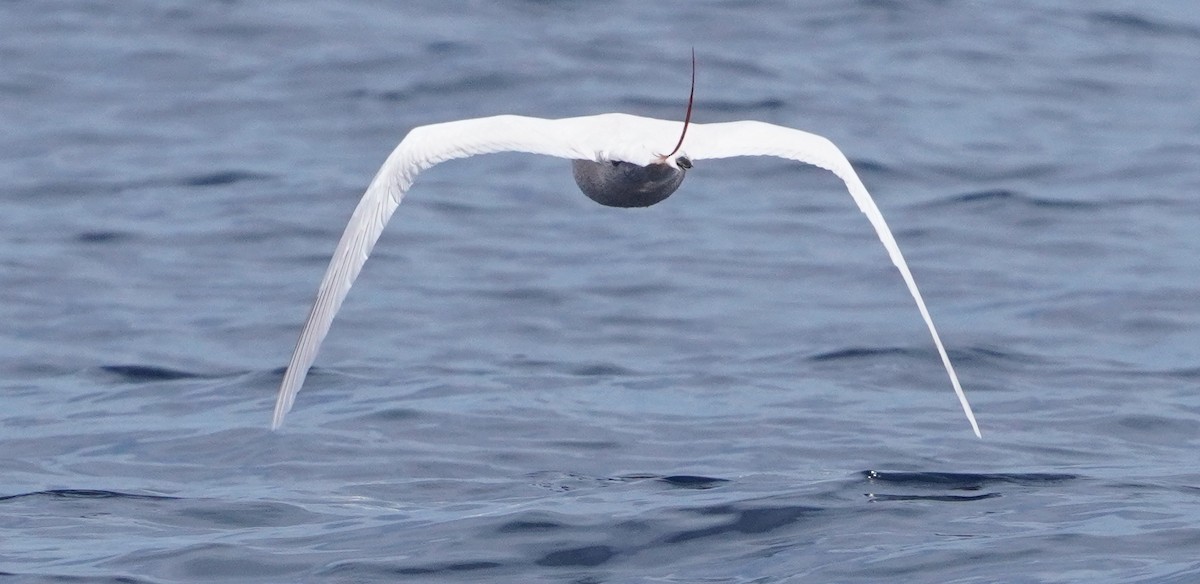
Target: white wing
{"x":761,"y":139}
{"x":601,"y":137}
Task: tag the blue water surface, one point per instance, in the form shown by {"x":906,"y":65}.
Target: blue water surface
{"x":524,"y":386}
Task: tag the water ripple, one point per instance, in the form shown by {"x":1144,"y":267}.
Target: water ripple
{"x":146,"y":373}
{"x":83,"y":494}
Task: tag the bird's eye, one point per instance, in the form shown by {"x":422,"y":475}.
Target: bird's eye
{"x":684,"y":162}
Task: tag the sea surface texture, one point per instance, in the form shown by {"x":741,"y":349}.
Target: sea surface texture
{"x":523,"y":386}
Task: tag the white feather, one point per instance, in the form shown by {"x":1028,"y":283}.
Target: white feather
{"x":604,"y":137}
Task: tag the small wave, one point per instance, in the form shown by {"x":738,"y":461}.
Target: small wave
{"x":852,"y":353}
{"x":572,"y":481}
{"x":721,"y":106}
{"x":1011,"y":197}
{"x":745,"y":521}
{"x":385,"y":572}
{"x":220,"y":178}
{"x":630,"y":291}
{"x":940,"y":498}
{"x":536,"y":525}
{"x":83,"y":494}
{"x":389,"y":95}
{"x":991,"y":357}
{"x":600,"y":370}
{"x":467,"y":83}
{"x":865,"y":166}
{"x":940,"y":482}
{"x":1140,"y":24}
{"x":693,"y":482}
{"x":681,"y":481}
{"x":446,"y":47}
{"x":538,"y":296}
{"x":102,"y":236}
{"x":587,"y":556}
{"x":141,"y":373}
{"x":963,"y":481}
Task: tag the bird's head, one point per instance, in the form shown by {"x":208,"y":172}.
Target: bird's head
{"x":616,"y":183}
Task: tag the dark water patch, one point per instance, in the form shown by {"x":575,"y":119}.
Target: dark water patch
{"x":81,"y":579}
{"x":680,"y":481}
{"x":984,"y":355}
{"x":722,"y":106}
{"x":991,"y":357}
{"x":939,"y":498}
{"x":384,"y":572}
{"x":471,"y":84}
{"x":450,"y":567}
{"x":1188,"y":373}
{"x":933,"y":486}
{"x":856,"y":353}
{"x":754,"y":520}
{"x":455,"y":208}
{"x":1150,"y":428}
{"x":713,"y":106}
{"x":1145,"y":422}
{"x":102,"y":236}
{"x":211,"y":562}
{"x":568,"y":481}
{"x":387,"y":96}
{"x":395,"y":415}
{"x":866,"y":166}
{"x":963,"y":481}
{"x":539,"y":296}
{"x":532,"y":524}
{"x":84,"y":494}
{"x":223,"y":514}
{"x":982,"y":174}
{"x":693,"y":482}
{"x":565,"y":481}
{"x":78,"y":188}
{"x":465,"y":84}
{"x":637,"y":476}
{"x":986,"y":195}
{"x":443,"y":48}
{"x":221,"y":178}
{"x":600,"y":370}
{"x":631,"y":291}
{"x":1136,"y":23}
{"x":587,"y":556}
{"x":145,"y":373}
{"x":81,"y":188}
{"x":1006,"y":197}
{"x":576,"y":445}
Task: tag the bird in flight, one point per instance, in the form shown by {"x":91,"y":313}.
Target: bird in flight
{"x":617,"y":161}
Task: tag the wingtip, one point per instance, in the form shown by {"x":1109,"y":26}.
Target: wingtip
{"x":281,"y":410}
{"x":962,"y":398}
{"x":282,"y":406}
{"x":966,"y":406}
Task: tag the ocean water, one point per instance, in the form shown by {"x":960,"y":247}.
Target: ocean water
{"x":523,"y":386}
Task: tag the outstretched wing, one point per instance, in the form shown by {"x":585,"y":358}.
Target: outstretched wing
{"x":726,"y":140}
{"x":602,"y":137}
